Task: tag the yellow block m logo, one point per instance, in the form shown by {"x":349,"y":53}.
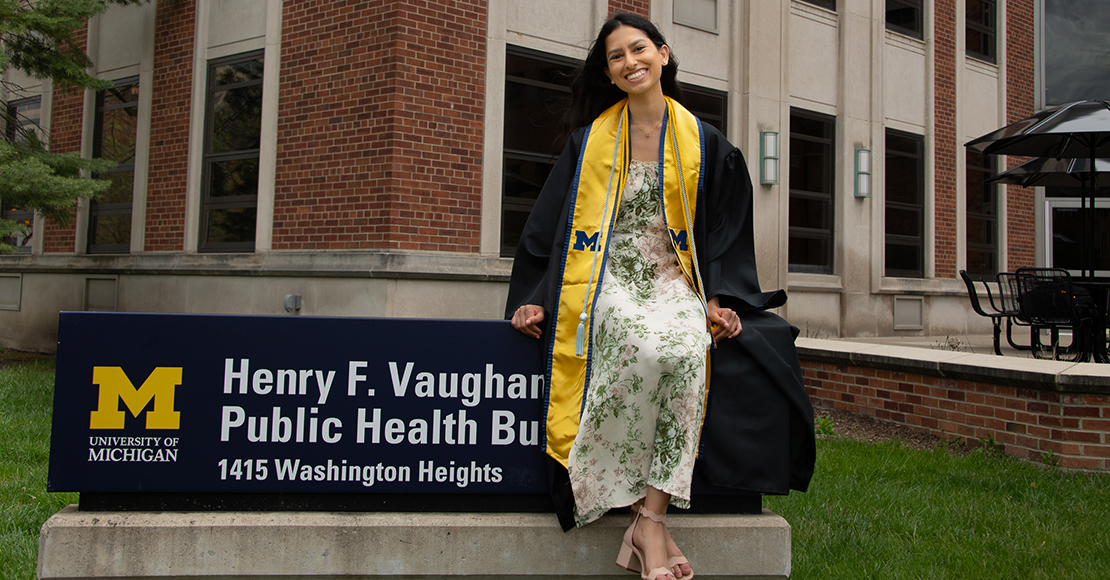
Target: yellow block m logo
{"x":114,"y":385}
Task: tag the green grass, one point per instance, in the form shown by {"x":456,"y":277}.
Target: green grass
{"x":26,"y":398}
{"x":872,"y":511}
{"x":887,"y":511}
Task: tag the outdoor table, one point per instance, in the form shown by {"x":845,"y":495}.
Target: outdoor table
{"x":1050,"y":299}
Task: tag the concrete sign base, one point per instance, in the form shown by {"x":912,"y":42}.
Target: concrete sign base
{"x":287,"y":545}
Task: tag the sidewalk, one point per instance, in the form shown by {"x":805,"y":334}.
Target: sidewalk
{"x":975,"y":344}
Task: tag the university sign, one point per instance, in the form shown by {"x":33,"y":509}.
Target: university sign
{"x":206,"y":403}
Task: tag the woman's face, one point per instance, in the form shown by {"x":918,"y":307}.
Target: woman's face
{"x":634,"y":64}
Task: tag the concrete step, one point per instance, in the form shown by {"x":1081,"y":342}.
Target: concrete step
{"x":287,"y":545}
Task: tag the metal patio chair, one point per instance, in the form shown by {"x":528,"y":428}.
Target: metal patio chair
{"x":996,"y":315}
{"x":1008,"y":293}
{"x":1048,"y":301}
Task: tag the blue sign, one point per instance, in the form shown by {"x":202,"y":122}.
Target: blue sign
{"x":208,"y":403}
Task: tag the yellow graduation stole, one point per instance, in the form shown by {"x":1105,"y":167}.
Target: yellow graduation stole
{"x":595,"y":200}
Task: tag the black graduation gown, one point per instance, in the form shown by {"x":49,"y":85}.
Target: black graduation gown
{"x":758,"y":432}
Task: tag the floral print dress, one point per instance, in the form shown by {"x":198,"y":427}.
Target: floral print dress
{"x":646,"y":393}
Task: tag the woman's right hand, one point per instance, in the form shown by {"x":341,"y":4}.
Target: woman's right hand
{"x":527,"y":319}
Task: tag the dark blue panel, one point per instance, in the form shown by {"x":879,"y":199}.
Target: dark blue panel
{"x":444,"y":405}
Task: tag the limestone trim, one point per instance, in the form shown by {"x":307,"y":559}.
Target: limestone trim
{"x":396,"y":265}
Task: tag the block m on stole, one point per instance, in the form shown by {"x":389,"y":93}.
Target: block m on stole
{"x":116,"y":387}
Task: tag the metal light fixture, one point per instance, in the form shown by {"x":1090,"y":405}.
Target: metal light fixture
{"x":863,"y":173}
{"x":769,"y":157}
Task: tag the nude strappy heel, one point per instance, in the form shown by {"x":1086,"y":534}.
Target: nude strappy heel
{"x":628,"y":550}
{"x":671,"y":563}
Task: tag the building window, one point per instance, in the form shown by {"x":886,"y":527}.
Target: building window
{"x":905,"y":205}
{"x":710,"y":106}
{"x":811,"y":192}
{"x":1066,"y":218}
{"x":114,"y":136}
{"x":700,"y":14}
{"x":982,"y":216}
{"x":537,"y":94}
{"x":20,"y":240}
{"x":232,"y":135}
{"x":905,"y":16}
{"x":981,"y":25}
{"x":1076,"y":63}
{"x":829,"y":4}
{"x":21,"y":123}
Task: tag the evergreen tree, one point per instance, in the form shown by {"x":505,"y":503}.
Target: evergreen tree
{"x":36,"y":37}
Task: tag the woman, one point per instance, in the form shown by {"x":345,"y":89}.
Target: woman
{"x":635,"y":260}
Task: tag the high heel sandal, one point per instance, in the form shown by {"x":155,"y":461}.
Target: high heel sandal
{"x":671,"y":563}
{"x":628,"y":549}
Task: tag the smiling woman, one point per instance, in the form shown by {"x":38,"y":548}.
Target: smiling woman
{"x":657,"y":265}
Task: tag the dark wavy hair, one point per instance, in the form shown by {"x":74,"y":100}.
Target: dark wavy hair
{"x":591,"y":90}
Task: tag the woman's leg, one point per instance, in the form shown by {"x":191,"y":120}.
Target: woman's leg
{"x":653,"y":538}
{"x":673,"y":551}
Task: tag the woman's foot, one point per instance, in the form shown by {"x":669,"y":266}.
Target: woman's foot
{"x":681,"y":568}
{"x":650,"y":537}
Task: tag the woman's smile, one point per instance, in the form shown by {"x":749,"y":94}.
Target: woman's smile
{"x":635,"y":63}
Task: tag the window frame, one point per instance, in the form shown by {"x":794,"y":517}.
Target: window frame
{"x":829,"y":233}
{"x":826,"y":4}
{"x":207,"y":203}
{"x":987,"y":168}
{"x":515,"y":203}
{"x":901,"y":239}
{"x":919,"y":18}
{"x":692,"y":23}
{"x":988,"y":31}
{"x":97,"y":209}
{"x":13,"y":112}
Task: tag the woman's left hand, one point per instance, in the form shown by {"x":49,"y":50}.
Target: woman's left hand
{"x":723,"y":322}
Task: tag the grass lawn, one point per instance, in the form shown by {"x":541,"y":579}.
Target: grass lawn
{"x":887,"y":511}
{"x":26,"y":399}
{"x":872,"y":511}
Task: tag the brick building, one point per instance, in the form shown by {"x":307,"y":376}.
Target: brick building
{"x":378,"y":158}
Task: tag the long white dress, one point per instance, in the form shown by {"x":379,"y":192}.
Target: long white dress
{"x":645,"y":398}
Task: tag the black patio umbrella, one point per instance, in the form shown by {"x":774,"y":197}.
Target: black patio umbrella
{"x":1050,"y":172}
{"x":1075,"y":130}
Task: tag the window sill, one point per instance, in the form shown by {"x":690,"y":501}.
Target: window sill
{"x":802,"y":282}
{"x":930,"y":286}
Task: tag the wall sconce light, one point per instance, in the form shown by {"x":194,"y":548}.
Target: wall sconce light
{"x":863,"y":173}
{"x":769,"y":157}
{"x":292,"y":302}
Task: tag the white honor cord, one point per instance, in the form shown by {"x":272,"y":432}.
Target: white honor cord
{"x":700,"y":290}
{"x":580,"y":336}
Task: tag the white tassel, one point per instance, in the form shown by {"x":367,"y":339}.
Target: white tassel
{"x":580,"y":339}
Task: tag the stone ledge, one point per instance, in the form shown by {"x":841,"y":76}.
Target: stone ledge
{"x":338,"y":264}
{"x":1057,"y":376}
{"x":230,"y":545}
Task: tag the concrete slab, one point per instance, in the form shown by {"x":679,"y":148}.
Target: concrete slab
{"x":917,"y":355}
{"x":287,"y":545}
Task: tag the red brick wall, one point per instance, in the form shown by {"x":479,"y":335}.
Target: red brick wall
{"x":1021,"y":229}
{"x":169,"y":126}
{"x":640,"y":7}
{"x":944,"y":126}
{"x":67,"y":114}
{"x":381,"y":117}
{"x":1074,"y":428}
